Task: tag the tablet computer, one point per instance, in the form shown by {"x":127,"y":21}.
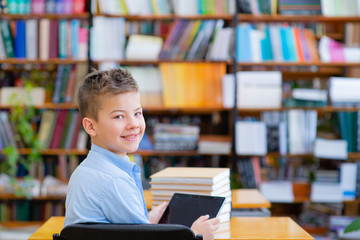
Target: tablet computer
{"x":184,"y":209}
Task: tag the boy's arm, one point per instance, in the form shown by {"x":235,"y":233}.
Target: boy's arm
{"x":123,"y":203}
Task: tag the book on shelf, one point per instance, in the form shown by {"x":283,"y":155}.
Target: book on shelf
{"x":20,"y":95}
{"x":250,"y":138}
{"x":348,"y":173}
{"x":107,"y":38}
{"x":277,"y":191}
{"x":214,"y":144}
{"x":333,"y":51}
{"x":330,"y":149}
{"x":304,"y":7}
{"x":342,"y":91}
{"x":326,"y":192}
{"x":143,"y":47}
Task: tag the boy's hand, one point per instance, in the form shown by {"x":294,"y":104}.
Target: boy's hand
{"x":156,"y":213}
{"x":205,"y":226}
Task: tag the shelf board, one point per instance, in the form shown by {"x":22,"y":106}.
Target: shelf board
{"x":351,"y":155}
{"x":39,"y":61}
{"x":167,"y":17}
{"x":40,"y":198}
{"x":297,"y":18}
{"x":45,"y":15}
{"x":175,"y":110}
{"x":318,"y":109}
{"x":54,"y":151}
{"x":320,"y":64}
{"x":157,"y":62}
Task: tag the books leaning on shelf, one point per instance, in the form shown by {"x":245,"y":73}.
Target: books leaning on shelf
{"x":333,"y":51}
{"x":275,"y":42}
{"x":192,"y":180}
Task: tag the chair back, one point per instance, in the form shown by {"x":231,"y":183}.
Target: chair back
{"x":106,"y":231}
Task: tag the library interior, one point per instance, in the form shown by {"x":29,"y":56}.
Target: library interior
{"x":241,"y":100}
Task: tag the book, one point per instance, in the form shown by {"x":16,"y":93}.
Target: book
{"x":192,"y":175}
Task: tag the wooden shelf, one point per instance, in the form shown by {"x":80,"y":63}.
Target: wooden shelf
{"x":167,"y":17}
{"x":45,"y":15}
{"x":197,"y":110}
{"x":296,"y":18}
{"x":55,"y":151}
{"x":318,"y":109}
{"x":39,"y":61}
{"x":40,"y":198}
{"x":157,"y":62}
{"x":351,"y":156}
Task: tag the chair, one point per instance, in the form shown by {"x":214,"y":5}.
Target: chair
{"x":106,"y":231}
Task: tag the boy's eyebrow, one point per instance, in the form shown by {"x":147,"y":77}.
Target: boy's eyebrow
{"x":119,"y":110}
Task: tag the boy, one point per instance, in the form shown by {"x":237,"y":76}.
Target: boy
{"x":106,"y":186}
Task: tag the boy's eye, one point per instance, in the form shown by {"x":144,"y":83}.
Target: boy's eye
{"x":138,"y":114}
{"x":119,"y":117}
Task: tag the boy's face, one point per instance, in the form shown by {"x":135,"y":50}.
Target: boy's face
{"x":120,"y":125}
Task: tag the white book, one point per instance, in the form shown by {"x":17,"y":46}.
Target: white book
{"x":250,"y":138}
{"x":331,"y":149}
{"x":326,"y":192}
{"x":221,"y":186}
{"x":259,"y":89}
{"x":228,"y":86}
{"x":185,"y":7}
{"x":191,"y":175}
{"x":309,"y":94}
{"x":44,"y":38}
{"x":171,"y":192}
{"x":343,"y":89}
{"x":22,"y":96}
{"x":277,"y":191}
{"x":143,"y":47}
{"x":31,"y":39}
{"x":348,"y":173}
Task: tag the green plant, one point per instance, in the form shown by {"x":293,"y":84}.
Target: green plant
{"x":353,"y":226}
{"x":21,"y":117}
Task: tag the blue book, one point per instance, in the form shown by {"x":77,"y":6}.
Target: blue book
{"x":266,"y":49}
{"x":290,"y":39}
{"x":243,"y":43}
{"x":285,"y":46}
{"x":19,"y":40}
{"x":75,"y":25}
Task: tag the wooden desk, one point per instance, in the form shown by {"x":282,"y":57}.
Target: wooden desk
{"x":241,"y":228}
{"x":241,"y":198}
{"x":248,"y":198}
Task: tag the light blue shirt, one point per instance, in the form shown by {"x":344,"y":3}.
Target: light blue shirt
{"x":105,"y":188}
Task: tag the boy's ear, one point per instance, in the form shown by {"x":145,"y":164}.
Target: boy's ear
{"x":89,"y":126}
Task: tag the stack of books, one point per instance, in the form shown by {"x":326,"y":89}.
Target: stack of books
{"x":193,"y":180}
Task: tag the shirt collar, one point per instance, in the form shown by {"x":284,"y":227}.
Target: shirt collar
{"x":123,"y":163}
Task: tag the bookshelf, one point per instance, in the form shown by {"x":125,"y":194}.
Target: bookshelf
{"x":282,"y":166}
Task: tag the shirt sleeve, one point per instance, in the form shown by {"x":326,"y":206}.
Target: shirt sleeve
{"x":123,"y":203}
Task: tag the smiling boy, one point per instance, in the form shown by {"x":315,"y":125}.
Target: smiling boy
{"x":106,"y":187}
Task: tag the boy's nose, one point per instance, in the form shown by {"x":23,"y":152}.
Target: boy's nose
{"x":132,"y":123}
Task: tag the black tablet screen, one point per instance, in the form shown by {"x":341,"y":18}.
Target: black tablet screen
{"x":184,"y":209}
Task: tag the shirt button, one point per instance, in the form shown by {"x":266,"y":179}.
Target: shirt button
{"x":136,"y":168}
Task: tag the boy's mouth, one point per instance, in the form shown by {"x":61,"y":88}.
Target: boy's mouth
{"x":131,"y":137}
